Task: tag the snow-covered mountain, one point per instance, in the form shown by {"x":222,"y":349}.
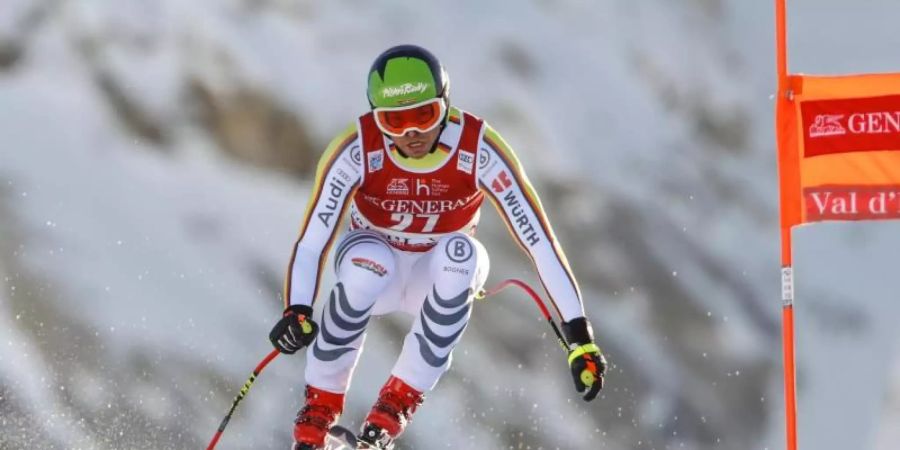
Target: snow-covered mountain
{"x":155,"y":159}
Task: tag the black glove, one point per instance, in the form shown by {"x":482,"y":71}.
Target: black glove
{"x":586,"y":360}
{"x":295,"y":330}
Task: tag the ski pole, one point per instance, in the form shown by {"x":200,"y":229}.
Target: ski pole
{"x":537,"y":299}
{"x":587,"y":377}
{"x":246,"y":388}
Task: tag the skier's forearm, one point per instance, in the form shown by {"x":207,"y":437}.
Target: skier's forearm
{"x":304,"y":275}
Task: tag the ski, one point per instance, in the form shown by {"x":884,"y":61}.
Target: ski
{"x":341,"y":438}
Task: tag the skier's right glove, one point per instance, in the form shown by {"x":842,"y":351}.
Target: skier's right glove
{"x":586,"y":360}
{"x":295,"y":330}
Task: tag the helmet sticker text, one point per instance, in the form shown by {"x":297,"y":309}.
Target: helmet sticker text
{"x":404,"y":89}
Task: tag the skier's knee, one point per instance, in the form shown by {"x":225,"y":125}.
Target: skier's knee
{"x":364,"y":262}
{"x":461,"y":261}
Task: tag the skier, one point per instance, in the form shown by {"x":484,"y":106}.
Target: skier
{"x":413,"y":173}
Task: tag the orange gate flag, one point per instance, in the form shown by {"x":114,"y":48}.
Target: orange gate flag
{"x":840,"y":148}
{"x":838,"y":159}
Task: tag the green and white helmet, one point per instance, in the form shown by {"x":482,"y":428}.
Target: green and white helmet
{"x":406,"y":75}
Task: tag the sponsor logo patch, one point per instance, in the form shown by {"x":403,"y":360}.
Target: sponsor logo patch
{"x":415,"y":206}
{"x":521,"y":219}
{"x":404,"y":89}
{"x":851,"y":125}
{"x":369,"y":265}
{"x":334,"y":190}
{"x":459,"y":249}
{"x":484,"y":158}
{"x":501,"y":182}
{"x":421,"y":187}
{"x":465,"y":161}
{"x":827,"y":125}
{"x":398,"y":186}
{"x":433,"y":187}
{"x":454,"y":269}
{"x":376,"y":160}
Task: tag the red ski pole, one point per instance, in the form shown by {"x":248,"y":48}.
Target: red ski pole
{"x":246,"y":388}
{"x":534,"y":296}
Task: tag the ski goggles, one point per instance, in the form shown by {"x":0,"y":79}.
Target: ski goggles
{"x":422,"y":117}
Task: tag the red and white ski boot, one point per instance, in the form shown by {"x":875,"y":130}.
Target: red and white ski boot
{"x":397,"y":401}
{"x":320,"y":413}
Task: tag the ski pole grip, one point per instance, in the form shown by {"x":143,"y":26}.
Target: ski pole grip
{"x":588,"y":378}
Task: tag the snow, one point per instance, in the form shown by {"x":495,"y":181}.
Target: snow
{"x":846,"y":333}
{"x":21,"y":365}
{"x":163,"y":260}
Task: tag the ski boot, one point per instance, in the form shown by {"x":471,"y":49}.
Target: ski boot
{"x":393,"y":410}
{"x":321,"y":411}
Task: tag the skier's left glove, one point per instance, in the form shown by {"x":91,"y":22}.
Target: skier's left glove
{"x":295,"y":330}
{"x":586,"y":360}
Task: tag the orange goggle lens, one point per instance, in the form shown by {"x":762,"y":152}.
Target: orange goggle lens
{"x":422,"y":117}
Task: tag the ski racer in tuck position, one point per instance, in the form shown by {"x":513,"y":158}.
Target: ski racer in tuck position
{"x":413,"y":173}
